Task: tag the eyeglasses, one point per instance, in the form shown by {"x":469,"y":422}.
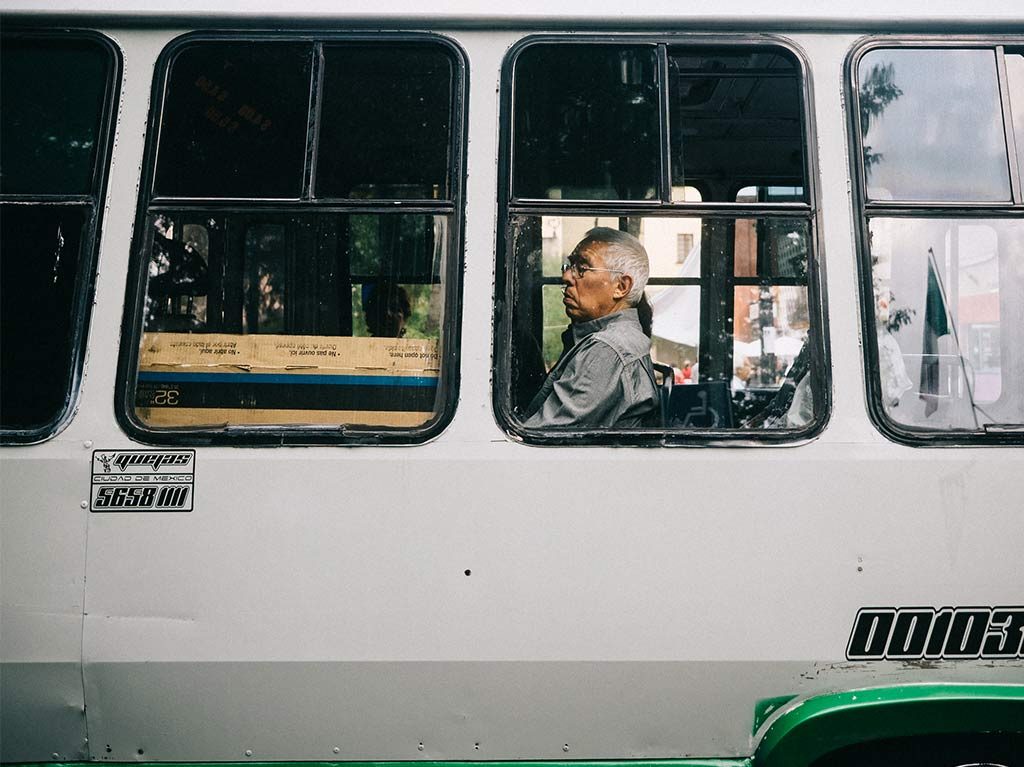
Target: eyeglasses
{"x":579,"y":269}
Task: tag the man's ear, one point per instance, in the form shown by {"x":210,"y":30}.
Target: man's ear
{"x":622,"y":287}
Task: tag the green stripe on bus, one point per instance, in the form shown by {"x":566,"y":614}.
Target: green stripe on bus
{"x":816,"y":726}
{"x":701,"y":762}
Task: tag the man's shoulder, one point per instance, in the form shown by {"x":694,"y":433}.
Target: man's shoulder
{"x":625,"y":338}
{"x":599,"y":345}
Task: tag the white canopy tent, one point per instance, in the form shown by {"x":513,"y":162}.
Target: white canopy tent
{"x":677,"y":307}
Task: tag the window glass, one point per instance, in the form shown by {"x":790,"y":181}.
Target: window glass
{"x":932,"y":126}
{"x":412,"y":243}
{"x":771,"y":247}
{"x":729,"y":352}
{"x":56,"y":90}
{"x":50,"y":122}
{"x":301,"y":318}
{"x":947,"y":312}
{"x":258,"y":319}
{"x":770,"y":194}
{"x":235,"y":121}
{"x":289,"y":334}
{"x":40,"y":252}
{"x":949,"y":317}
{"x":586,"y":122}
{"x":735,"y":114}
{"x":1015,"y":78}
{"x":686,"y":194}
{"x":265,"y":284}
{"x":720,"y":339}
{"x":385,"y":128}
{"x":289,"y":273}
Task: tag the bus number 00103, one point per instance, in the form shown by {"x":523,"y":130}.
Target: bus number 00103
{"x":168,"y":497}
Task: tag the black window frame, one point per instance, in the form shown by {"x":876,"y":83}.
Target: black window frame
{"x":85,"y":278}
{"x":663,"y":205}
{"x":864,"y":209}
{"x":453,"y":207}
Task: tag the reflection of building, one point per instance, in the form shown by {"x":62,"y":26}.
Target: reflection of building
{"x":770,"y":321}
{"x":684,"y":244}
{"x":662,"y":237}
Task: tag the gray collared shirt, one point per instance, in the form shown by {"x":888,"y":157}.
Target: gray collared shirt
{"x":605,"y":379}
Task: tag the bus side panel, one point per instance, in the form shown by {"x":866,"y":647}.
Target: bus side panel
{"x":42,"y":712}
{"x":460,"y":710}
{"x":42,"y":566}
{"x":375,"y":600}
{"x":456,"y":710}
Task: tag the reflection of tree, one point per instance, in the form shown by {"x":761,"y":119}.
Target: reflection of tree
{"x":177,"y":271}
{"x":271,"y":302}
{"x":898,"y":317}
{"x":424,"y":322}
{"x":264,"y":284}
{"x":877,"y":91}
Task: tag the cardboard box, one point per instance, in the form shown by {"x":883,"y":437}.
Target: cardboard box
{"x":210,"y":380}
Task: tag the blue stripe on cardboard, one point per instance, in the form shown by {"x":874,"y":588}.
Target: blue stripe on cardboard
{"x":289,"y":378}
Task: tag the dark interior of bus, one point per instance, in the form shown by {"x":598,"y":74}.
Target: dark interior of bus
{"x":305,"y":274}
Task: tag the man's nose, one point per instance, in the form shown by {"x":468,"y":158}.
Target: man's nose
{"x":567,"y":275}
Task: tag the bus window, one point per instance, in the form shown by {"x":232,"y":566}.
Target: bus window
{"x":944,"y":291}
{"x":1015,"y":84}
{"x":234,"y":121}
{"x":315,"y":305}
{"x":735,"y":334}
{"x":386,"y":123}
{"x":587,"y":125}
{"x":932,"y":138}
{"x":736,"y":114}
{"x":58,"y":91}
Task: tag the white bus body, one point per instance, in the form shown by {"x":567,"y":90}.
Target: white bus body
{"x":474,"y":597}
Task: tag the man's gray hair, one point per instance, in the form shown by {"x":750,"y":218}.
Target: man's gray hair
{"x":625,"y":253}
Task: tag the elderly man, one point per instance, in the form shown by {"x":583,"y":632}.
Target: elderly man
{"x":604,"y":377}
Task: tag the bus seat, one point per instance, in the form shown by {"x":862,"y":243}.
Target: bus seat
{"x":667,"y":373}
{"x":702,"y":406}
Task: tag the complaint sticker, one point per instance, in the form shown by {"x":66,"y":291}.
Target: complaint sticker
{"x":142,"y":480}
